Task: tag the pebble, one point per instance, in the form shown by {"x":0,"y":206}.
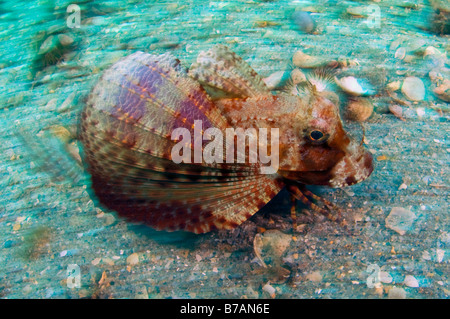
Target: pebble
{"x":396,"y":293}
{"x":359,"y":11}
{"x":67,"y":104}
{"x":408,"y":5}
{"x":400,"y":220}
{"x":359,"y":109}
{"x":432,"y":51}
{"x":109,"y":219}
{"x":96,"y":261}
{"x":394,"y":86}
{"x":65,"y":39}
{"x":48,"y":45}
{"x":443,"y":91}
{"x":385,"y":277}
{"x":27,"y":289}
{"x":303,"y":60}
{"x":304,"y":21}
{"x":402,"y":186}
{"x":413,"y":88}
{"x":277,"y":79}
{"x":420,"y":112}
{"x":440,"y":255}
{"x":141,"y":293}
{"x":269,"y":289}
{"x":133,"y":259}
{"x":426,"y":255}
{"x":271,"y":245}
{"x":411,"y":281}
{"x":403,"y":113}
{"x":345,"y":62}
{"x":315,"y":276}
{"x":297,"y":76}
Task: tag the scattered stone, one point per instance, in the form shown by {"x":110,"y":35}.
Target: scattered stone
{"x":345,"y":62}
{"x":306,"y":61}
{"x":297,"y":76}
{"x":432,"y":51}
{"x":314,"y":276}
{"x":27,"y":289}
{"x":394,"y":86}
{"x":96,"y":261}
{"x":62,"y":133}
{"x":109,"y":219}
{"x":141,"y":293}
{"x":443,"y":91}
{"x":411,"y":281}
{"x":67,"y":104}
{"x":304,"y":21}
{"x":48,"y":45}
{"x":402,"y":186}
{"x":408,"y":5}
{"x":358,"y":12}
{"x":270,"y":246}
{"x":396,"y":293}
{"x":400,"y":220}
{"x":277,"y":79}
{"x":385,"y":277}
{"x":413,"y":88}
{"x":420,"y":112}
{"x":269,"y":289}
{"x":65,"y":40}
{"x":440,"y":255}
{"x":440,"y":78}
{"x":133,"y":259}
{"x":426,"y":255}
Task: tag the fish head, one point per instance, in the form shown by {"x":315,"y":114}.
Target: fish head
{"x":315,"y":149}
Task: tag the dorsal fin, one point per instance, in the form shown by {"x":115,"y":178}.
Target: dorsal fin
{"x":224,"y":74}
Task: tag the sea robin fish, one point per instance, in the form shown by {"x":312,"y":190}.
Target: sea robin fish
{"x":127,"y":125}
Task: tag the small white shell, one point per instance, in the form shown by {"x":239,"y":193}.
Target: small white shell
{"x":413,"y":88}
{"x":352,"y":86}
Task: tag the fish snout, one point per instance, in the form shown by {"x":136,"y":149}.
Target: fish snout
{"x":352,"y":169}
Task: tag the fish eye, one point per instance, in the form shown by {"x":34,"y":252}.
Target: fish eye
{"x":317,"y":136}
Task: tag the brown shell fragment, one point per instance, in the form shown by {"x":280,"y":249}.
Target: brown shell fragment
{"x":359,"y":109}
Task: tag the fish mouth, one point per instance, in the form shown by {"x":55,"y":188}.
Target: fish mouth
{"x":352,"y":169}
{"x":308,"y":178}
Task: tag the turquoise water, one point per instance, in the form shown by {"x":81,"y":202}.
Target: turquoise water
{"x":50,"y":219}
